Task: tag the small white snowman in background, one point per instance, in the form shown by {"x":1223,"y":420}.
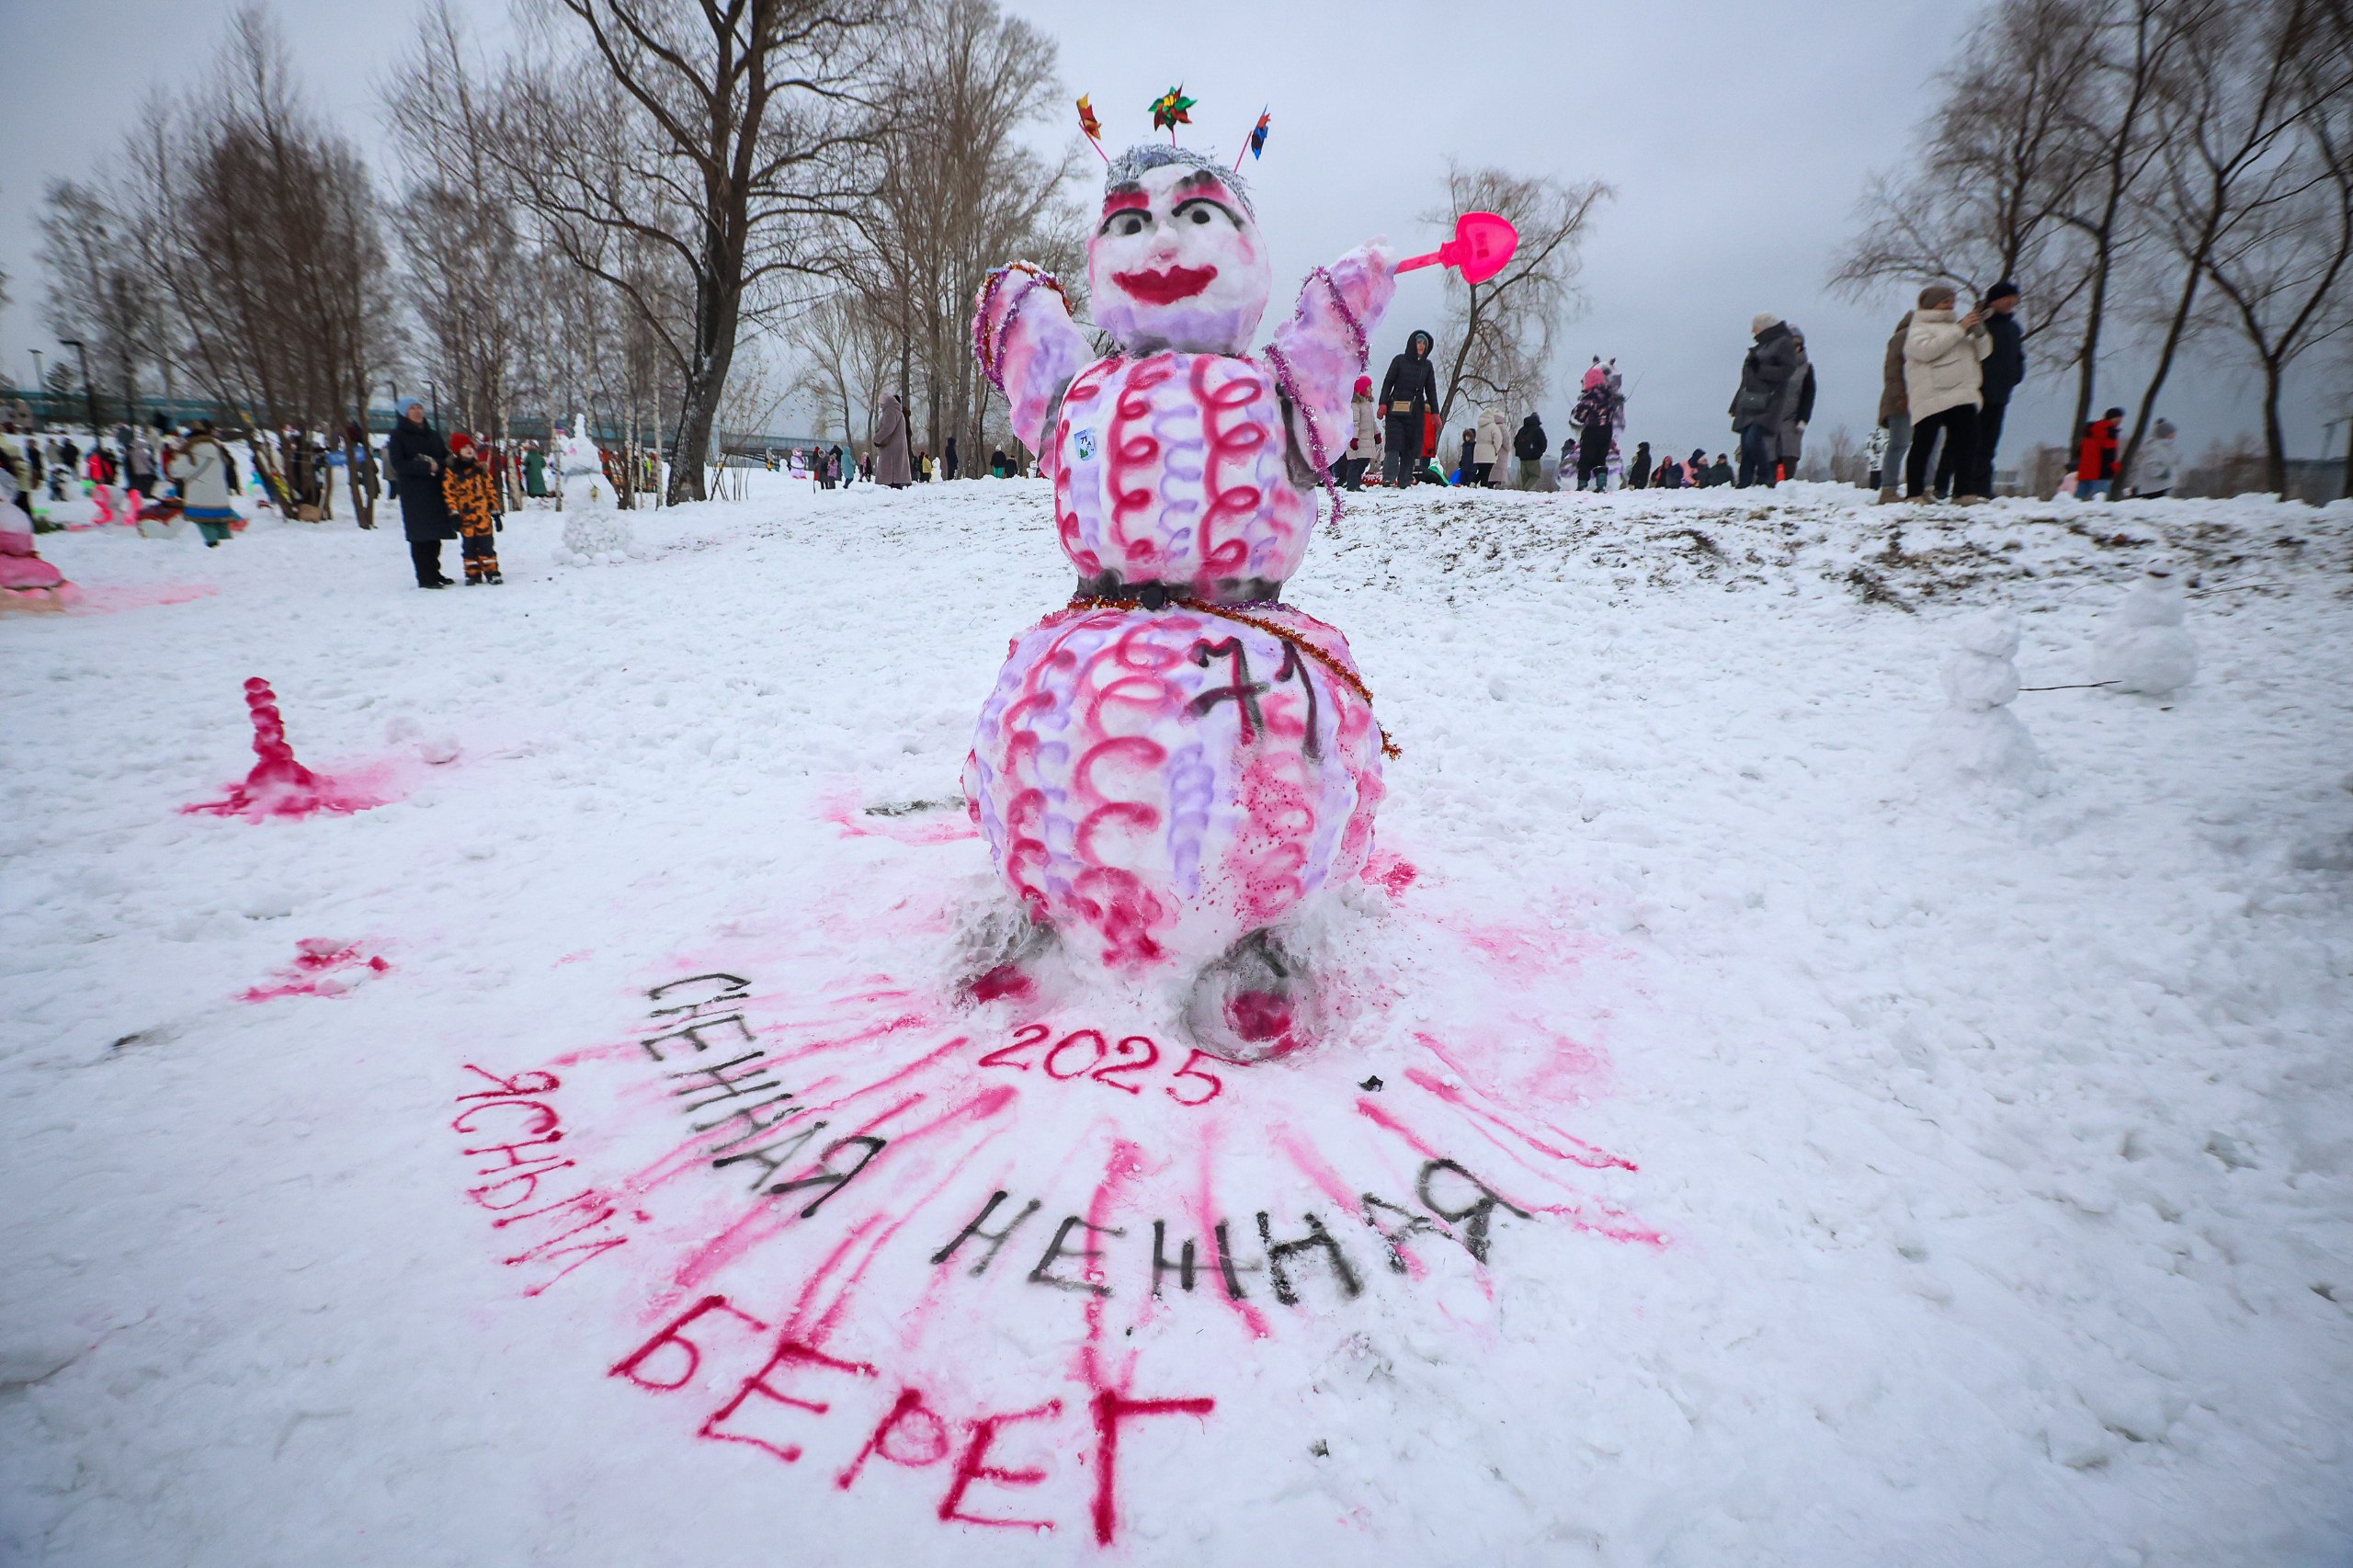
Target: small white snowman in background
{"x":2144,"y":647}
{"x":1977,"y":735}
{"x":593,"y":530}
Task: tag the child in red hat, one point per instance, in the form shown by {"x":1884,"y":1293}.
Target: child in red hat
{"x":472,"y":492}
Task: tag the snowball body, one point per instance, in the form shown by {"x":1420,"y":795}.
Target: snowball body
{"x":2145,"y":648}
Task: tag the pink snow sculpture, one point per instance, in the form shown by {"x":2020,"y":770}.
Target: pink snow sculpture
{"x":1170,"y":768}
{"x":279,"y":786}
{"x":27,"y":582}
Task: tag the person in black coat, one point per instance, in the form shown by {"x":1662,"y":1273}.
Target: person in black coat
{"x":417,"y":456}
{"x":2004,"y":368}
{"x":1529,"y":446}
{"x":1766,"y":370}
{"x":1408,"y":393}
{"x":1638,"y":472}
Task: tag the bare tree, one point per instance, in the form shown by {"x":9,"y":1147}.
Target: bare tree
{"x":2134,"y":44}
{"x":956,"y":193}
{"x":95,"y":291}
{"x":1997,"y":162}
{"x":1501,"y":329}
{"x":465,"y":257}
{"x":261,"y":232}
{"x":726,"y":135}
{"x":2227,"y":113}
{"x":2282,"y":272}
{"x":845,"y":350}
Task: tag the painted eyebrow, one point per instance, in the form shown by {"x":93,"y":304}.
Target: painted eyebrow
{"x":1126,"y":195}
{"x":1204,"y":181}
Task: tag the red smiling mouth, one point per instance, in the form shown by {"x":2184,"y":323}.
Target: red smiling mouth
{"x":1166,"y":287}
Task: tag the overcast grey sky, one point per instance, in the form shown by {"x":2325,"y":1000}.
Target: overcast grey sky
{"x":1738,"y":135}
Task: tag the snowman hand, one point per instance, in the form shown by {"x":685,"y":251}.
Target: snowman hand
{"x":1028,"y":344}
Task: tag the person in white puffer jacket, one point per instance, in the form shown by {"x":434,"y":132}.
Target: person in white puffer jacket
{"x":1364,"y":441}
{"x":1492,"y":439}
{"x":203,"y":468}
{"x":1943,"y":381}
{"x":2154,"y":470}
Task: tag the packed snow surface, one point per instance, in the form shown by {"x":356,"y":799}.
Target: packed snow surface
{"x":1734,"y":1141}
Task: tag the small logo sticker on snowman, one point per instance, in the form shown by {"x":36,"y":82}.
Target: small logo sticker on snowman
{"x":1084,"y":443}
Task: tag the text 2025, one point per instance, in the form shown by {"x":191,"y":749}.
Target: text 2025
{"x":1090,"y":1053}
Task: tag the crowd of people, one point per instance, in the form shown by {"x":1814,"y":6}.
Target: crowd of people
{"x":892,"y":460}
{"x":1393,"y":435}
{"x":1947,"y":381}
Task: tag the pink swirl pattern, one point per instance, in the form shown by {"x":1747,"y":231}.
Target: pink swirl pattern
{"x":1161,"y":785}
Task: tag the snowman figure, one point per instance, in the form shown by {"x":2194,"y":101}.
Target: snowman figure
{"x":1170,"y":770}
{"x":1977,"y":735}
{"x":593,"y":530}
{"x":2145,"y":648}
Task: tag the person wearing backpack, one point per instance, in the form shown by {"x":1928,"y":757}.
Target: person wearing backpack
{"x":1528,"y":447}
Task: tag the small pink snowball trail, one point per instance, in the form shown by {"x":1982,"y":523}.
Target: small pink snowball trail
{"x":279,"y":786}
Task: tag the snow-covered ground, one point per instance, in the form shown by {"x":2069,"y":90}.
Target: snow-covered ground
{"x":1792,"y":1153}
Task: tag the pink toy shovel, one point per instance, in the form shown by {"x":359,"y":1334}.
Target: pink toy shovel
{"x":1482,"y":244}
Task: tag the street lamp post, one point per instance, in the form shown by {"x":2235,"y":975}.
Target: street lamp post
{"x":40,"y":387}
{"x":89,"y":395}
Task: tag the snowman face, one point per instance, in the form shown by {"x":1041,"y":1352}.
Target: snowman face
{"x":1178,"y":262}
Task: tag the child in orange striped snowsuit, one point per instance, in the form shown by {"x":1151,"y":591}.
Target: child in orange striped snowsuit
{"x":472,"y":492}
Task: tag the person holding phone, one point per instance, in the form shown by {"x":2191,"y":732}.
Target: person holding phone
{"x":1943,"y":381}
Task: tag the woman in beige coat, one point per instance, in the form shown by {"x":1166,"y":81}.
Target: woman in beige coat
{"x":1943,"y":381}
{"x":893,"y":464}
{"x":1489,"y":439}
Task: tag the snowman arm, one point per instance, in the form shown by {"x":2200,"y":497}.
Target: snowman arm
{"x":1321,"y":350}
{"x":1026,"y":343}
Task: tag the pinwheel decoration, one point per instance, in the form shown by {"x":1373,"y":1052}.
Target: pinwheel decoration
{"x":1171,"y":109}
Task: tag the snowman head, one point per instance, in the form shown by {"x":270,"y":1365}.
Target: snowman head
{"x":1177,"y":260}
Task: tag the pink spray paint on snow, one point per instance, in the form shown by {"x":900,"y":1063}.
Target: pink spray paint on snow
{"x":279,"y":786}
{"x":323,"y":966}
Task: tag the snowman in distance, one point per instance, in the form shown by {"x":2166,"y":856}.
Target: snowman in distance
{"x":594,"y":531}
{"x":2144,"y":647}
{"x":1977,"y":737}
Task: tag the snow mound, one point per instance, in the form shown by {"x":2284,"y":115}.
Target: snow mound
{"x":594,"y":537}
{"x":2145,"y":648}
{"x":1977,"y":737}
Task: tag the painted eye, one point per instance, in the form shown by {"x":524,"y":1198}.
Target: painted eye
{"x":1200,"y":214}
{"x":1127,"y":225}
